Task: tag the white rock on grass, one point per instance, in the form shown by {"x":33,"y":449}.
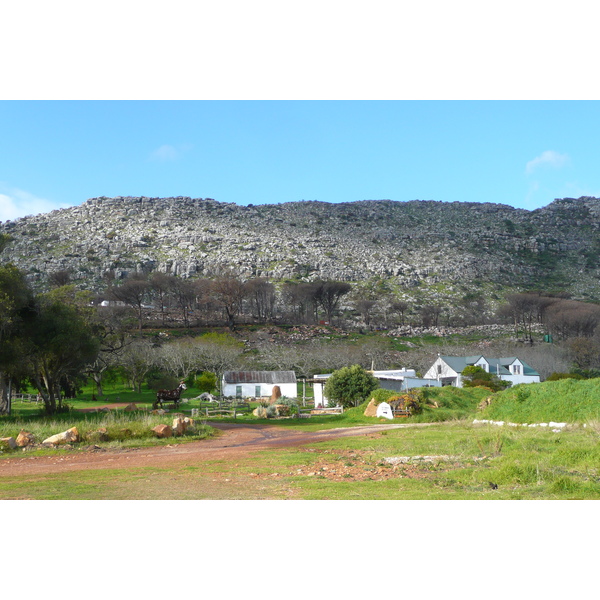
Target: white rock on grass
{"x":65,"y":437}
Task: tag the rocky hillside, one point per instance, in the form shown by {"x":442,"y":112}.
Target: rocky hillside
{"x":411,"y":244}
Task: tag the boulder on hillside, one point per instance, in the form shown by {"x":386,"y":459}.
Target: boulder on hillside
{"x":131,"y":407}
{"x":8,"y":442}
{"x":163,"y":431}
{"x":65,"y":437}
{"x":25,"y":439}
{"x":371,"y":410}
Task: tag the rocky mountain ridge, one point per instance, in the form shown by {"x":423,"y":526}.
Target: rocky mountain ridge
{"x":410,"y":244}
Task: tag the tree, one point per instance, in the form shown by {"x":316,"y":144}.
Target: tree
{"x":329,"y":295}
{"x":475,"y":376}
{"x":137,"y":360}
{"x":365,"y":306}
{"x":112,"y":324}
{"x":399,"y":307}
{"x":229,"y":292}
{"x":162,"y":285}
{"x":133,"y":292}
{"x":60,"y":344}
{"x":349,"y":386}
{"x":217,"y":353}
{"x":16,"y":308}
{"x":261,"y":293}
{"x":59,"y":278}
{"x":184,"y":291}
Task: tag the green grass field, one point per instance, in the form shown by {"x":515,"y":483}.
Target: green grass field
{"x":466,"y":461}
{"x":566,"y":400}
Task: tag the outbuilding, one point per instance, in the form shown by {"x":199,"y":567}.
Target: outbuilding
{"x":397,"y":380}
{"x":259,"y":384}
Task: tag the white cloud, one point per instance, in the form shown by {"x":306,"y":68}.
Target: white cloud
{"x":165,"y":153}
{"x":169,"y":153}
{"x":16,"y":203}
{"x":550,"y":158}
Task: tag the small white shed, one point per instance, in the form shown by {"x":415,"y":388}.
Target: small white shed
{"x":259,"y":384}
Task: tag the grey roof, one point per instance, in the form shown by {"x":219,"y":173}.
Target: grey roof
{"x":274,"y":377}
{"x":499,"y":365}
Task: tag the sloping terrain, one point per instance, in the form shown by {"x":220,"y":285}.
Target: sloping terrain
{"x":409,"y":244}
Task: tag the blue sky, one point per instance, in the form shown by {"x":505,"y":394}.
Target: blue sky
{"x":270,"y":102}
{"x":522,"y":153}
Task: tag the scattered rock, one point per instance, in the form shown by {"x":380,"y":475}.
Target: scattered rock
{"x":25,"y":439}
{"x":282,"y":410}
{"x":179,"y":426}
{"x":131,"y":407}
{"x":65,"y":437}
{"x":100,"y":435}
{"x":163,"y":431}
{"x":8,"y":442}
{"x":371,"y":410}
{"x":260,"y":412}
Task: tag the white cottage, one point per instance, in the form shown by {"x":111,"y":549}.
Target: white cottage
{"x":257,"y":384}
{"x":447,"y":369}
{"x":397,"y":380}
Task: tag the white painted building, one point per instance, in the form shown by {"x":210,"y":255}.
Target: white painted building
{"x":258,"y":384}
{"x":397,"y":380}
{"x":447,"y":369}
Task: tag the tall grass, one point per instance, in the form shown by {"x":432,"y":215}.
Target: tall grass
{"x":124,"y":428}
{"x":566,"y":400}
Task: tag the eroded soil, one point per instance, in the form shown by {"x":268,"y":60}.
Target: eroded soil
{"x":234,"y":442}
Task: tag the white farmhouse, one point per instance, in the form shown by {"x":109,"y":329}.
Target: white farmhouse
{"x":447,"y":369}
{"x":257,"y":384}
{"x":397,"y":380}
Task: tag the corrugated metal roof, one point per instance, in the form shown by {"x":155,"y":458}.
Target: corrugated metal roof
{"x":274,"y":377}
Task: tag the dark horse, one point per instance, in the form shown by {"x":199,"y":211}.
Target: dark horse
{"x":170,"y":395}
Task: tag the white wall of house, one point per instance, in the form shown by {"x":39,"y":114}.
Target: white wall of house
{"x":320,"y":398}
{"x":440,"y":370}
{"x":259,"y":390}
{"x":516,"y":376}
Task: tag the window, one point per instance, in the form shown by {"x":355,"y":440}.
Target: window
{"x":257,"y":391}
{"x":516,"y":369}
{"x":439,"y":369}
{"x":238,"y":391}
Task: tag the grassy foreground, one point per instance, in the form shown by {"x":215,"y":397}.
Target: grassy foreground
{"x":450,"y":461}
{"x":448,"y":458}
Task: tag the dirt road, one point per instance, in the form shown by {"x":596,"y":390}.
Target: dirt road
{"x":236,"y":440}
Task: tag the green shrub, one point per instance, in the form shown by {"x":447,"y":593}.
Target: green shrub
{"x":380,"y":395}
{"x":349,"y":386}
{"x":206,"y":382}
{"x":559,"y":376}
